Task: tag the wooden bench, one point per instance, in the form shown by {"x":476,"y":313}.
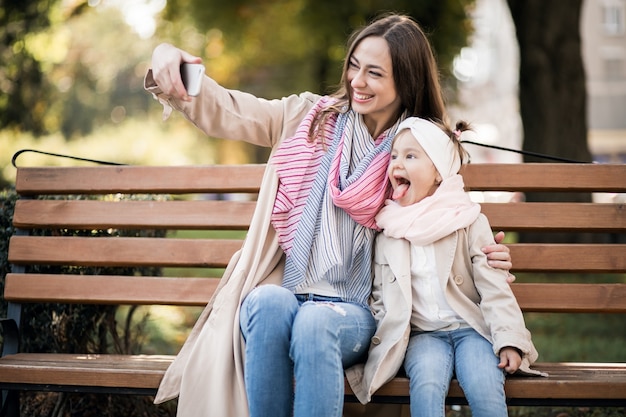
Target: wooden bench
{"x":192,"y":209}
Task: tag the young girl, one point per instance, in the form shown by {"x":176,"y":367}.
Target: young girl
{"x":439,"y":306}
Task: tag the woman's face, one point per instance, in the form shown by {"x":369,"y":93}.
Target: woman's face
{"x":372,"y":87}
{"x":412,"y":174}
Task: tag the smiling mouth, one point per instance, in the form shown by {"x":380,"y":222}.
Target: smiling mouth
{"x":362,"y":97}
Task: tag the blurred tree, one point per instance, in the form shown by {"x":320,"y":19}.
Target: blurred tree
{"x":552,"y":90}
{"x":273,"y":48}
{"x":22,"y":86}
{"x":63,"y":69}
{"x":292,"y":45}
{"x":552,"y":77}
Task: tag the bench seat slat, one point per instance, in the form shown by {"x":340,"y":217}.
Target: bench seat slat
{"x":82,"y":214}
{"x":133,"y":371}
{"x":109,"y":289}
{"x":122,"y":251}
{"x":139,"y":179}
{"x":566,"y":380}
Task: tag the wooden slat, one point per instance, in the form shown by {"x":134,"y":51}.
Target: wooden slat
{"x":246,"y":178}
{"x":550,"y":257}
{"x":573,"y":217}
{"x":86,"y":289}
{"x":568,"y":297}
{"x":82,"y":214}
{"x":236,"y":215}
{"x":139,"y":179}
{"x":565,"y":380}
{"x":127,"y":251}
{"x":106,"y":289}
{"x":122,"y":251}
{"x":546,"y":177}
{"x":132,"y":371}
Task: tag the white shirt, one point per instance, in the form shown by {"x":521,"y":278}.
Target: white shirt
{"x":431,"y":311}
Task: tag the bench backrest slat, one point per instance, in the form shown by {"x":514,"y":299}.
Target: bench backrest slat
{"x":236,"y":215}
{"x":247,"y":178}
{"x":122,"y":251}
{"x":572,"y":217}
{"x":554,"y":257}
{"x":138,"y":179}
{"x":546,"y":177}
{"x":109,"y":289}
{"x":127,"y":251}
{"x":177,"y":215}
{"x":545,"y":297}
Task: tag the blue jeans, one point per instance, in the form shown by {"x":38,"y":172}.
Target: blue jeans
{"x":296,"y":350}
{"x":431,"y":360}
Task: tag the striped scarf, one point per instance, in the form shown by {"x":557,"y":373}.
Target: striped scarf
{"x":326,"y":203}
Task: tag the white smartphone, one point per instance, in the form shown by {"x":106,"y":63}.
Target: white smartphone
{"x":192,"y":75}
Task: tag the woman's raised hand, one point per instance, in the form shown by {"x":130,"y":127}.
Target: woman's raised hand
{"x":166,"y":62}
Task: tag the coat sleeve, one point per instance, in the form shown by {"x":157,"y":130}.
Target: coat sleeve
{"x":498,"y":305}
{"x":237,"y":115}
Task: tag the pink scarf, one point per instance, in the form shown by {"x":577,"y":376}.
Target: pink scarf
{"x":435,"y":217}
{"x":300,"y":164}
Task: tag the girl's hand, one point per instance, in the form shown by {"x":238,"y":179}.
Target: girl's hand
{"x":166,"y":61}
{"x":510,"y":359}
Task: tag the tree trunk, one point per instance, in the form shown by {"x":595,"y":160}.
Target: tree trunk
{"x":552,"y":90}
{"x":552,"y":77}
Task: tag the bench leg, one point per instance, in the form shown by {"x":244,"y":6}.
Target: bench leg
{"x":10,"y":404}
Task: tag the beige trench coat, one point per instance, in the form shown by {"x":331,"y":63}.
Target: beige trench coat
{"x":207,"y":374}
{"x":494,"y":313}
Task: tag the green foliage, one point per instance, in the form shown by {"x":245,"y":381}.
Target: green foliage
{"x":62,"y":68}
{"x":284,"y":46}
{"x":23,"y":89}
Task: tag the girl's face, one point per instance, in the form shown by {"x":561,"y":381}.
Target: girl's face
{"x":372,"y":87}
{"x":412,"y":174}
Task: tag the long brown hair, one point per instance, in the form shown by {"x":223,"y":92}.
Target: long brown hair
{"x":415,"y":72}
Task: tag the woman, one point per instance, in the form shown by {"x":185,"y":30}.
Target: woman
{"x":297,"y":291}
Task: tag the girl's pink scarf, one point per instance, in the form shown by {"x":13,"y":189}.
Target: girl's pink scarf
{"x":435,"y":217}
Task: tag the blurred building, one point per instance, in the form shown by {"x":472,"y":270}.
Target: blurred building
{"x":603,"y":30}
{"x":488,"y":74}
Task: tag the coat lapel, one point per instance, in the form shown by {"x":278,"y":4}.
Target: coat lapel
{"x":398,"y":254}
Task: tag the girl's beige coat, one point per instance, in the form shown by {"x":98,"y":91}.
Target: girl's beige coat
{"x":477,"y":292}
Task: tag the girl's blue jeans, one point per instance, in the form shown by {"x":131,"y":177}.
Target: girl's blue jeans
{"x":297,"y":347}
{"x":432,"y":358}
